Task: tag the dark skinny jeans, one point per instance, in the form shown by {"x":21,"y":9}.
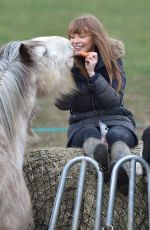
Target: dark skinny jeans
{"x":115,"y":133}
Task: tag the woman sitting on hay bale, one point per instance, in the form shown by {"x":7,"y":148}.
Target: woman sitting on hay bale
{"x":100,"y":79}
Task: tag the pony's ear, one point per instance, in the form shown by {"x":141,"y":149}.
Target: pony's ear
{"x":25,"y":53}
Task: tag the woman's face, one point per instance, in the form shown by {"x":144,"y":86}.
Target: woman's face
{"x":82,"y":42}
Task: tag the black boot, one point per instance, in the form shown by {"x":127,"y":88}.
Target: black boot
{"x":123,"y":178}
{"x":97,"y":150}
{"x":118,"y":150}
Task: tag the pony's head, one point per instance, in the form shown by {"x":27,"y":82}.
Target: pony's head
{"x":32,"y":68}
{"x":53,"y":59}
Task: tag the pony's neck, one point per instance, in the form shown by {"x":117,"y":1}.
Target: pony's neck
{"x":15,"y":141}
{"x":14,"y":150}
{"x":19,"y":141}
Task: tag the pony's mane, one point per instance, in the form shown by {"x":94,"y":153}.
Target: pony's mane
{"x":14,"y":77}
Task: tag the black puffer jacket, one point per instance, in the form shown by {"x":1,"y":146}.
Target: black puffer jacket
{"x":97,"y":100}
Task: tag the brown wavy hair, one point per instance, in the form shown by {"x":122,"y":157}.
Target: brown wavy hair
{"x":91,"y":25}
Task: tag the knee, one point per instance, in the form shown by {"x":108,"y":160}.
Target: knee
{"x":83,"y":134}
{"x":119,"y":133}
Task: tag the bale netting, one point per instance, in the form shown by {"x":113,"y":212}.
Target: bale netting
{"x":42,"y":169}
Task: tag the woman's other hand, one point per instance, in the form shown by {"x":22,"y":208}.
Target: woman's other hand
{"x":90,"y":63}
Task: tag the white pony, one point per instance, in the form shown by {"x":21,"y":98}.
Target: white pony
{"x":27,"y":69}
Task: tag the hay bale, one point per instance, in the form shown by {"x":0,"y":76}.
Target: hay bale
{"x":42,"y":169}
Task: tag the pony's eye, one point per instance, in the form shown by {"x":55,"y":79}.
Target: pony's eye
{"x":45,"y":53}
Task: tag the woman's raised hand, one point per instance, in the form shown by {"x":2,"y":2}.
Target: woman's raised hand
{"x":90,"y":62}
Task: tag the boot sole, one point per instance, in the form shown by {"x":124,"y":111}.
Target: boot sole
{"x":101,"y":155}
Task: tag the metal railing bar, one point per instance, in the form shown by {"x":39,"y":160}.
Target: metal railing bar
{"x":79,"y":194}
{"x":112,"y":193}
{"x":61,"y":186}
{"x":58,"y":198}
{"x":148,"y":189}
{"x":131,"y":198}
{"x":113,"y":183}
{"x":99,"y":200}
{"x":147,"y":168}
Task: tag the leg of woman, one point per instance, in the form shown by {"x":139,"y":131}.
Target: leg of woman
{"x":83,"y":134}
{"x":120,"y":140}
{"x":120,"y":133}
{"x":89,"y":138}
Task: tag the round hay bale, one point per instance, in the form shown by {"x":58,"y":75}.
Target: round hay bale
{"x":42,"y":170}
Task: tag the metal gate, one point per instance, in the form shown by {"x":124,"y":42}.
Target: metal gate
{"x":99,"y":198}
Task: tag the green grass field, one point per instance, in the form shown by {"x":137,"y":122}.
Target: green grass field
{"x":125,"y":20}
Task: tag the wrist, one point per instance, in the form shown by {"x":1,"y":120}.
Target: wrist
{"x":91,"y":80}
{"x":91,"y":74}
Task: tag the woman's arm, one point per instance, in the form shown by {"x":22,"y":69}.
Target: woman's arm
{"x":105,"y":92}
{"x":65,"y":102}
